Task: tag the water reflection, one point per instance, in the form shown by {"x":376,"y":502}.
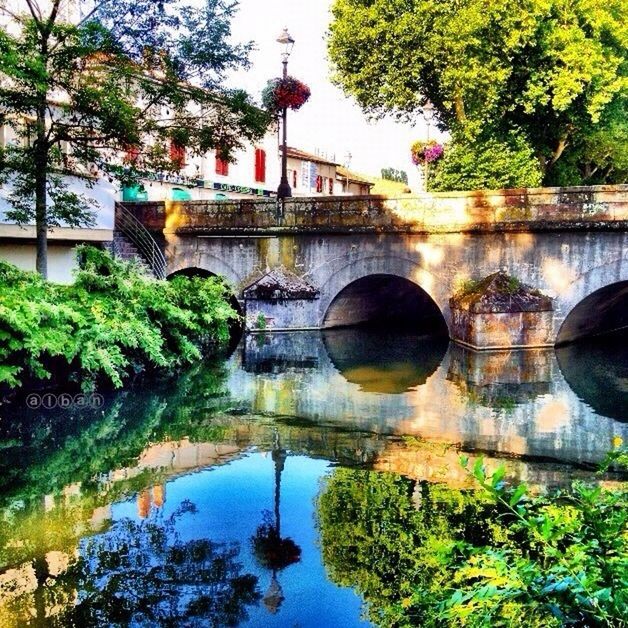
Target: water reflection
{"x":87,"y":495}
{"x":382,"y":361}
{"x":597,"y":371}
{"x":510,"y":403}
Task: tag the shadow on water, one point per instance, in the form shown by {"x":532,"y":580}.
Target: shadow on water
{"x":597,"y":371}
{"x":382,"y":361}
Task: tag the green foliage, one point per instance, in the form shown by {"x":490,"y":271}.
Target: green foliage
{"x":112,"y":322}
{"x":260,"y":321}
{"x":553,"y":71}
{"x":486,"y":164}
{"x":392,"y":174}
{"x":497,"y":557}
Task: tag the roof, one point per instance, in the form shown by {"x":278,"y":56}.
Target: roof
{"x":343,"y":173}
{"x":280,"y":284}
{"x":305,"y":156}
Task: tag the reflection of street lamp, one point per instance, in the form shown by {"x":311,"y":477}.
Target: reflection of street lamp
{"x":284,"y":190}
{"x":270,"y":549}
{"x":428,"y":113}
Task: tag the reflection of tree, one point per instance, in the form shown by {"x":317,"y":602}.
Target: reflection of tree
{"x":45,"y":451}
{"x":143,"y":573}
{"x":386,"y":536}
{"x":270,"y":549}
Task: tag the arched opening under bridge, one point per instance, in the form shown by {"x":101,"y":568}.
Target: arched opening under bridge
{"x":386,"y":301}
{"x":602,"y":313}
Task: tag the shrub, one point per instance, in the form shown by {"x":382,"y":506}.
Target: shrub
{"x":430,"y":555}
{"x":112,"y":322}
{"x":487,"y":164}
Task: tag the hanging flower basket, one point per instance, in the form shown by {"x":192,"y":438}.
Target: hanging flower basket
{"x":426,"y":152}
{"x":285,"y":93}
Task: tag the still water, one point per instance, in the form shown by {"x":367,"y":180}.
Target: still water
{"x":249,"y":491}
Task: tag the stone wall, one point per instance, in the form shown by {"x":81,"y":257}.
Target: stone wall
{"x":536,"y":208}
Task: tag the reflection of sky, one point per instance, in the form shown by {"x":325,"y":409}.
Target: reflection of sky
{"x":231,"y":499}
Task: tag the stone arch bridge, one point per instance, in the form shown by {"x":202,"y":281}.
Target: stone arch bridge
{"x":324,"y":262}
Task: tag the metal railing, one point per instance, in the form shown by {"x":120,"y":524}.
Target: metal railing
{"x":134,"y":231}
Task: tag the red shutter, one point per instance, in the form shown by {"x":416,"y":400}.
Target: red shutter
{"x":331,"y":185}
{"x":294,"y":178}
{"x":257,"y":164}
{"x":222,"y":167}
{"x":132,"y":154}
{"x":177,"y":154}
{"x":260,"y":165}
{"x":319,"y":183}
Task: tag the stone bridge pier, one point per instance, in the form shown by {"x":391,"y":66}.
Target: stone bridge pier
{"x":319,"y":263}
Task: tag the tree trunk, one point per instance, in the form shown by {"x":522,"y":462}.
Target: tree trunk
{"x":40,"y":155}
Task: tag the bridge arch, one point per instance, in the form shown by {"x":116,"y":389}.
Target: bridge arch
{"x":332,"y":280}
{"x":587,"y":297}
{"x":385,"y":300}
{"x":205,"y":263}
{"x":373,"y":285}
{"x":603,"y":311}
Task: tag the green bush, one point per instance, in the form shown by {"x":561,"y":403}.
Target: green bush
{"x":487,"y":164}
{"x":112,"y":322}
{"x":429,"y":555}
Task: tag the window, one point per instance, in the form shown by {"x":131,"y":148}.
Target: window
{"x":260,"y":165}
{"x":331,"y":185}
{"x":222,"y":166}
{"x":177,"y":154}
{"x":294,"y":178}
{"x":319,"y":184}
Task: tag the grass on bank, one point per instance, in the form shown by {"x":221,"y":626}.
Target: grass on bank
{"x":111,"y":323}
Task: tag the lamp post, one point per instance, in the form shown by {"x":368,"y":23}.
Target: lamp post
{"x":348,"y":157}
{"x":428,"y":115}
{"x":284,"y":190}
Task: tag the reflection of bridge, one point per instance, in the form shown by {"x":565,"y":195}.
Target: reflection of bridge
{"x":366,"y":257}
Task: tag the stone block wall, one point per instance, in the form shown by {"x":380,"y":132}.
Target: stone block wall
{"x":444,"y":212}
{"x":502,"y":330}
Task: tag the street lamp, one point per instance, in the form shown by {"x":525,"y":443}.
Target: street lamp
{"x":284,"y":190}
{"x":428,"y":113}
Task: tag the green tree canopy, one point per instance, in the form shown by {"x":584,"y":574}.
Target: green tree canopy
{"x":133,"y":75}
{"x":392,"y":174}
{"x":553,"y":71}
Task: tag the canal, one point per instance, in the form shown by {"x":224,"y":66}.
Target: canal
{"x":280,"y":486}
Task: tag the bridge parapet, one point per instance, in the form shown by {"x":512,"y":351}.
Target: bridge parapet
{"x":535,"y":209}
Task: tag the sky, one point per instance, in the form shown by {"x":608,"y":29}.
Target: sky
{"x":330,"y":122}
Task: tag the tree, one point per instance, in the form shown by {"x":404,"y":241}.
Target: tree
{"x":392,"y":174}
{"x":489,"y":163}
{"x":133,"y":75}
{"x":552,"y":71}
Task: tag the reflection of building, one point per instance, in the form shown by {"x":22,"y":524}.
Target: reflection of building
{"x":150,"y":498}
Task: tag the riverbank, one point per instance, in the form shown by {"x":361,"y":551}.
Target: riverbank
{"x":111,"y":324}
